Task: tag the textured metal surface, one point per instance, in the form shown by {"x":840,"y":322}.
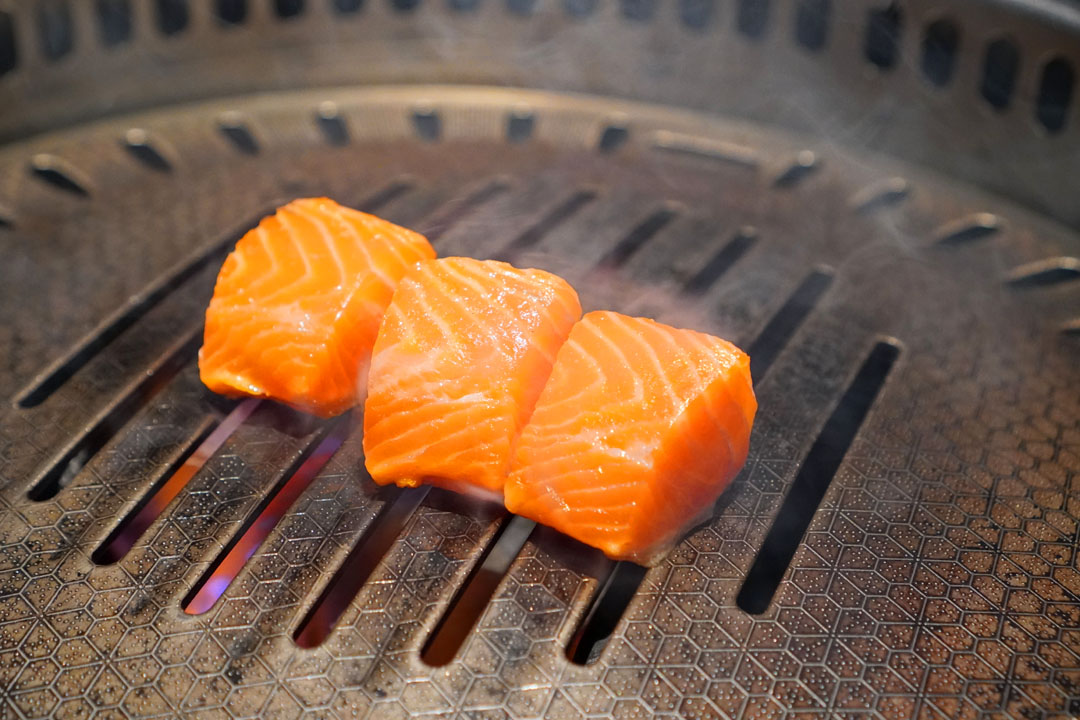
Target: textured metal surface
{"x":940,"y":578}
{"x":990,"y":106}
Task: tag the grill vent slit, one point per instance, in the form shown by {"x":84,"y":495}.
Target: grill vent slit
{"x":721,"y":262}
{"x":138,"y":143}
{"x":131,"y":528}
{"x":381,"y":198}
{"x":62,"y":371}
{"x":612,"y":138}
{"x":804,"y":165}
{"x":455,"y":212}
{"x":966,"y":229}
{"x":428,"y":124}
{"x":813,"y":479}
{"x":467,"y":607}
{"x":636,"y":239}
{"x":238,"y":133}
{"x":879,"y":195}
{"x":332,"y":124}
{"x":1044,"y":272}
{"x":114,"y":22}
{"x":534,"y":234}
{"x":783,"y":325}
{"x":86,"y":445}
{"x":261,"y":522}
{"x":618,"y":588}
{"x":369,"y":550}
{"x":519,"y":126}
{"x":60,"y":174}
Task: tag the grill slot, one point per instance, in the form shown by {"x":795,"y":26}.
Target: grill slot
{"x":60,"y":174}
{"x":617,"y":589}
{"x":812,"y":482}
{"x":332,"y":124}
{"x":536,"y":232}
{"x":373,"y":544}
{"x":784,"y":324}
{"x":83,"y":352}
{"x":143,"y":515}
{"x":260,"y":523}
{"x":721,"y":262}
{"x":455,"y":212}
{"x":636,"y":239}
{"x":83,"y":447}
{"x":138,"y":143}
{"x":471,"y":601}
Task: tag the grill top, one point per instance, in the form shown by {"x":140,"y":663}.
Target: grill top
{"x":939,"y":576}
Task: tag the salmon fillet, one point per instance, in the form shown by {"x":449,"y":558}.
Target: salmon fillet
{"x":464,"y":351}
{"x":298,"y":304}
{"x":640,"y":428}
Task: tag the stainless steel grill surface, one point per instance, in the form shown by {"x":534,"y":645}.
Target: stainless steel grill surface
{"x":899,"y":257}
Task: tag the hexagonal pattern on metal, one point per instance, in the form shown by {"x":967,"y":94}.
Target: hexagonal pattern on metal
{"x":939,"y":578}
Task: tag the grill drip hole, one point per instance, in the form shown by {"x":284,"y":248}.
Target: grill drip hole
{"x":882,"y":45}
{"x":172,"y":16}
{"x":59,"y":174}
{"x":532,"y":235}
{"x":752,"y":18}
{"x":519,"y":126}
{"x":521,"y":7}
{"x":231,"y":12}
{"x":404,"y":5}
{"x":1045,"y":272}
{"x":138,"y":144}
{"x":612,"y":138}
{"x":463,"y":5}
{"x":56,"y":31}
{"x":458,"y":211}
{"x":579,"y":8}
{"x":812,"y":23}
{"x":87,"y":445}
{"x":9,"y":56}
{"x":469,"y":604}
{"x":787,"y":320}
{"x":1000,"y":66}
{"x":346,"y":7}
{"x":813,"y":480}
{"x":149,"y":508}
{"x":332,"y":125}
{"x":260,"y":523}
{"x":369,"y":550}
{"x":940,"y":43}
{"x":617,"y":590}
{"x":287,"y":9}
{"x":879,"y":195}
{"x":696,"y":14}
{"x":1055,"y":94}
{"x":721,"y":262}
{"x":239,"y":134}
{"x":638,"y":10}
{"x":967,"y":229}
{"x":428,"y":124}
{"x":804,"y":165}
{"x":114,"y":21}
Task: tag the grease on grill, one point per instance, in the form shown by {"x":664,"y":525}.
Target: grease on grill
{"x":810,"y":485}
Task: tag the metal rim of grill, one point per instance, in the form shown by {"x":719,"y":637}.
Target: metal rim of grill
{"x":915,"y":341}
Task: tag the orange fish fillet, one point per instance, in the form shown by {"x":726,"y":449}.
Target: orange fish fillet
{"x":298,"y":304}
{"x":464,"y":351}
{"x":640,"y":428}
